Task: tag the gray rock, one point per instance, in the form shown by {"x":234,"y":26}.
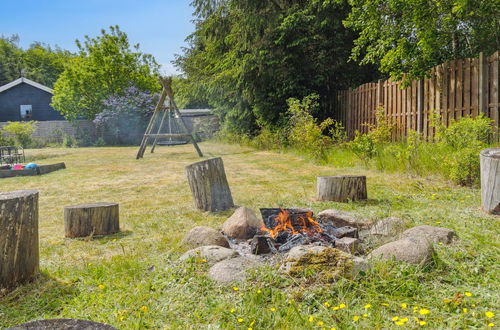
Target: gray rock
{"x":211,"y":253}
{"x":202,"y":236}
{"x":387,"y":227}
{"x":430,"y":233}
{"x":242,"y":224}
{"x":347,"y":244}
{"x":231,"y":270}
{"x":341,"y":219}
{"x":301,"y":250}
{"x":413,"y":251}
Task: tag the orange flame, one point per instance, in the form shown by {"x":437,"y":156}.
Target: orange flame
{"x":306,"y":224}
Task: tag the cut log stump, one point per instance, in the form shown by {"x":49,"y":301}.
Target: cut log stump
{"x":208,"y":183}
{"x":19,"y":254}
{"x":91,"y":219}
{"x":490,"y":180}
{"x":341,"y":188}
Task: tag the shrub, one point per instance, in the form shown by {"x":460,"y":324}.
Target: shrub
{"x":305,"y":133}
{"x":466,"y":130}
{"x":22,"y":131}
{"x":68,"y":141}
{"x":363,"y":146}
{"x":5,"y":140}
{"x":464,"y":165}
{"x":268,"y":139}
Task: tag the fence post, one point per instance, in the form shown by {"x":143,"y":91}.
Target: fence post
{"x":420,"y":106}
{"x":483,"y":83}
{"x":380,"y":95}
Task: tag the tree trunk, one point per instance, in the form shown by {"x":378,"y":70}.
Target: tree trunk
{"x":19,"y":255}
{"x":91,"y":219}
{"x":341,"y":188}
{"x":490,"y":180}
{"x":209,"y":186}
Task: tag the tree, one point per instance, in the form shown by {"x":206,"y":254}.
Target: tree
{"x":412,"y":36}
{"x":247,"y":57}
{"x":10,"y":59}
{"x":105,"y":66}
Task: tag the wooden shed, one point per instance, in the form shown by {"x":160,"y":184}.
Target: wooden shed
{"x":25,"y":100}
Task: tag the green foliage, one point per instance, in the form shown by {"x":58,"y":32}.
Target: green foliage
{"x":466,"y":131}
{"x":69,"y":141}
{"x":412,"y":36}
{"x":105,"y":66}
{"x":363,"y":146}
{"x":39,"y":62}
{"x":5,"y":140}
{"x":248,"y":57}
{"x":464,"y":165}
{"x":22,"y":131}
{"x":305,"y":133}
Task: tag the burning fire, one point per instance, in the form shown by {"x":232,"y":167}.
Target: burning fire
{"x":302,"y":224}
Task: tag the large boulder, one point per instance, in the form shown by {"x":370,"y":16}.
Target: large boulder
{"x":202,"y":236}
{"x":341,"y":218}
{"x":430,"y":233}
{"x":211,"y":253}
{"x":231,"y":270}
{"x":324,"y":263}
{"x":413,"y":251}
{"x":242,"y":224}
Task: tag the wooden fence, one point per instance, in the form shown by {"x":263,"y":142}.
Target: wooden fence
{"x":459,"y":88}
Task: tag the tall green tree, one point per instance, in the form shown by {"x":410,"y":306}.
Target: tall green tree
{"x":105,"y":66}
{"x":412,"y":36}
{"x":11,"y":63}
{"x":247,"y":57}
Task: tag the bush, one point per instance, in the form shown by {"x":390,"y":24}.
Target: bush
{"x":363,"y":146}
{"x":464,"y":166}
{"x":22,"y":131}
{"x":461,"y":133}
{"x":5,"y":140}
{"x":68,"y":141}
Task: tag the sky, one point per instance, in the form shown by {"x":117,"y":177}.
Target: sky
{"x":159,"y":26}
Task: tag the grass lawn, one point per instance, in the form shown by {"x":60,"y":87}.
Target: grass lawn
{"x":133,"y":280}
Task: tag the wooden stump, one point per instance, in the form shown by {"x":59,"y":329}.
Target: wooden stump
{"x":209,"y":186}
{"x":91,"y":219}
{"x":19,"y":256}
{"x":341,"y":188}
{"x":490,"y":180}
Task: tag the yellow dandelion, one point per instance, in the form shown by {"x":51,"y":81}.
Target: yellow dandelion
{"x":365,"y":315}
{"x":333,"y":328}
{"x":468,"y":294}
{"x":489,"y":314}
{"x":335,"y":308}
{"x":203,"y":261}
{"x":440,"y":243}
{"x":424,"y":311}
{"x":404,"y":319}
{"x":415,"y":309}
{"x":101,"y":286}
{"x":355,"y":318}
{"x":327,"y":304}
{"x":491,"y":324}
{"x":342,"y":306}
{"x":473,"y":305}
{"x":249,"y":329}
{"x":416,"y":319}
{"x":232,"y":310}
{"x":259,"y":291}
{"x":422,"y":323}
{"x":122,"y":318}
{"x":399,"y":323}
{"x":464,"y":310}
{"x":367,"y":306}
{"x":384,"y":304}
{"x":240,"y":320}
{"x":311,"y":318}
{"x":235,"y":288}
{"x":404,"y":306}
{"x":144,"y":309}
{"x":395,"y":318}
{"x":320,"y":323}
{"x":273,"y":309}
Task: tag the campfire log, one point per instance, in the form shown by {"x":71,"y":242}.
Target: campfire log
{"x":341,"y":188}
{"x":208,"y":183}
{"x":490,"y":180}
{"x":19,"y":254}
{"x":91,"y":219}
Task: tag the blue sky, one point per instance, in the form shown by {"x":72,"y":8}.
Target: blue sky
{"x":159,"y":26}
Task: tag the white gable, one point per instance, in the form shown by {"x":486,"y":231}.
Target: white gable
{"x":26,"y":81}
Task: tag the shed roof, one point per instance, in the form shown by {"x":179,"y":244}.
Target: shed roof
{"x":26,"y":81}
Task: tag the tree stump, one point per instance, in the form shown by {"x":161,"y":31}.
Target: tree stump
{"x":490,"y":180}
{"x":91,"y":219}
{"x":19,"y":255}
{"x":341,"y":188}
{"x":209,"y":186}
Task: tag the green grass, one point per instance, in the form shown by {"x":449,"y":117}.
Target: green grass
{"x":133,"y":280}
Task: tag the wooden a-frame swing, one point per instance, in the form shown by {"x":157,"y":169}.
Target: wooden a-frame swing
{"x":166,"y":111}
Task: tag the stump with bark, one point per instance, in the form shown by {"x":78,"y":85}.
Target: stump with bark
{"x":91,"y":219}
{"x":19,"y":254}
{"x":208,"y":183}
{"x":490,"y":180}
{"x":341,"y":188}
